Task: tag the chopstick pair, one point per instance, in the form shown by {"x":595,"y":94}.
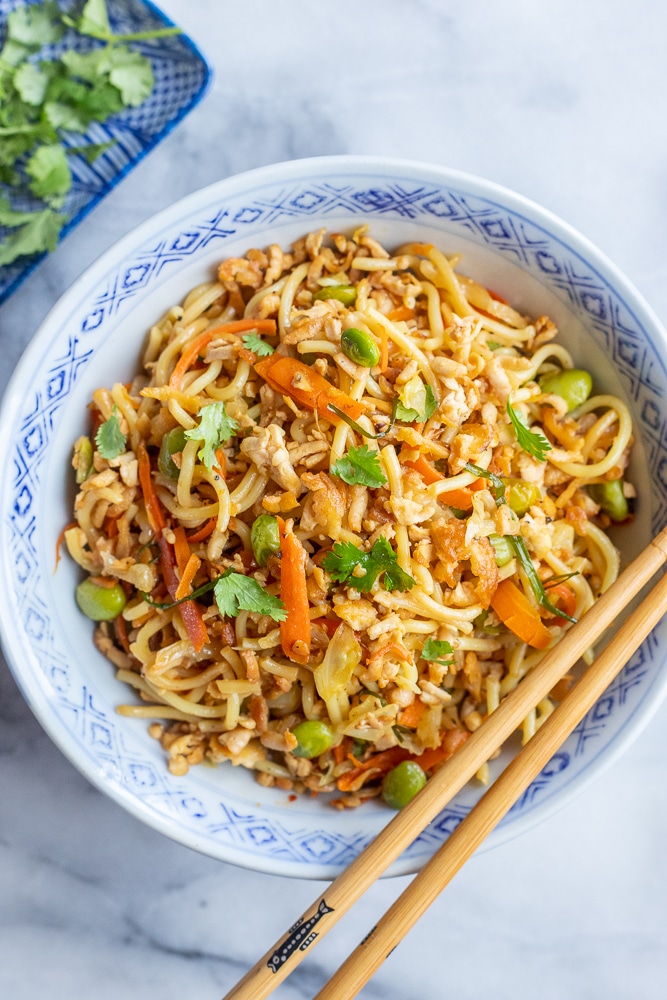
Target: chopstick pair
{"x":407,"y":824}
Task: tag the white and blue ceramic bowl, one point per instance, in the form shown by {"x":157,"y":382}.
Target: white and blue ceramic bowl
{"x":93,"y":336}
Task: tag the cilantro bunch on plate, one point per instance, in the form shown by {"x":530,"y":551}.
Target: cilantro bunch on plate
{"x":46,"y":102}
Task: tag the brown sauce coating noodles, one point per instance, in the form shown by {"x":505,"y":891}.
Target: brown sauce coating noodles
{"x":346,"y":455}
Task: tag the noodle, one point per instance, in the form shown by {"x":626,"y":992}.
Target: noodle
{"x":320,"y":520}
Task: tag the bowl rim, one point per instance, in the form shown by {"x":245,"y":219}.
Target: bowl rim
{"x":291,"y":170}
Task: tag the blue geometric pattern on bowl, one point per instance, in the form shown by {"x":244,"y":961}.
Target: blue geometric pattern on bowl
{"x":224,"y":824}
{"x":181,"y":79}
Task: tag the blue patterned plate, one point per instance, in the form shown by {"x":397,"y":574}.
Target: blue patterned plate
{"x":181,"y":79}
{"x":94,"y":334}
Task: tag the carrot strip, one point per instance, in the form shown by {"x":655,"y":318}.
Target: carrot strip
{"x":383,"y":762}
{"x":295,"y":629}
{"x":401,"y":313}
{"x":411,"y":715}
{"x":60,"y":539}
{"x":565,"y":599}
{"x":307,"y":387}
{"x":518,"y":614}
{"x":204,"y":532}
{"x":397,"y":648}
{"x":452,"y":740}
{"x":187,"y":576}
{"x":221,"y":467}
{"x":190,"y":613}
{"x":181,"y":549}
{"x":341,"y":751}
{"x":427,"y":471}
{"x":121,"y":633}
{"x":196,"y":346}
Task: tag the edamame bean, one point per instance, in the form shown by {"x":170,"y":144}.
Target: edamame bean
{"x":360,"y":347}
{"x":522,"y":495}
{"x":313,"y":738}
{"x":611,"y":498}
{"x":502,"y":549}
{"x":83,"y":458}
{"x":264,"y":537}
{"x":99,"y":602}
{"x":347,"y":294}
{"x":572,"y":384}
{"x":172,"y":442}
{"x":402,"y":784}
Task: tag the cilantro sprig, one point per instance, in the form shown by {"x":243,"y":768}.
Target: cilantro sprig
{"x":531,"y":441}
{"x":409,"y":415}
{"x":348,"y":564}
{"x":437,"y":651}
{"x":360,"y":466}
{"x":233,"y":592}
{"x":215,"y":428}
{"x":42,"y":98}
{"x":253,"y":342}
{"x":110,"y":440}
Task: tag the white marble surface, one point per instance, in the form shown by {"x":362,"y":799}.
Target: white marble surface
{"x":565,"y":103}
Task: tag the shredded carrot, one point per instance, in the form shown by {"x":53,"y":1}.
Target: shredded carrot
{"x":111,"y":527}
{"x":121,"y":633}
{"x":181,"y":549}
{"x":221,"y":467}
{"x":187,"y":576}
{"x":189,"y":610}
{"x":382,"y":762}
{"x":411,"y":714}
{"x":328,"y":624}
{"x":397,"y":648}
{"x":565,"y":599}
{"x":104,"y":581}
{"x":341,"y":751}
{"x":427,"y":471}
{"x":295,"y":629}
{"x":306,"y":387}
{"x":402,"y":313}
{"x":61,"y":538}
{"x":203,"y":532}
{"x":452,"y":740}
{"x":151,"y":502}
{"x":518,"y":614}
{"x":196,"y":346}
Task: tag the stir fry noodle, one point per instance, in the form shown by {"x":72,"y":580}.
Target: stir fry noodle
{"x":350,"y":499}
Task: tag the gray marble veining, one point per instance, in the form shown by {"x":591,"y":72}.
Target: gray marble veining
{"x":564,"y":103}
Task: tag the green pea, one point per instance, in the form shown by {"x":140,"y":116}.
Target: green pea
{"x":83,"y":458}
{"x":172,"y":443}
{"x":503,"y":550}
{"x":573,"y":384}
{"x":522,"y":495}
{"x":360,"y":347}
{"x":402,"y":784}
{"x":313,"y":738}
{"x":102,"y":604}
{"x":611,"y":498}
{"x":347,"y":294}
{"x":264,"y":537}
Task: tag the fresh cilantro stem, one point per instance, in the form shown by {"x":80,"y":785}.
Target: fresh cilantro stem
{"x":536,"y":585}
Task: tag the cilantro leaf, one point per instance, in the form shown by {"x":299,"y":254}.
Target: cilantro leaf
{"x":94,"y":20}
{"x":110,"y":440}
{"x":235,"y":592}
{"x":532,"y":442}
{"x":35,"y":25}
{"x":38,"y":234}
{"x":31,"y":83}
{"x":132,"y":75}
{"x":51,"y":176}
{"x":253,"y":342}
{"x":348,"y":564}
{"x":87,"y":65}
{"x":360,"y":466}
{"x":215,"y":427}
{"x":91,"y":152}
{"x":437,"y":651}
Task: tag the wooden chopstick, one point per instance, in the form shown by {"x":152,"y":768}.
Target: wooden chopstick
{"x":496,"y":802}
{"x":260,"y":981}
